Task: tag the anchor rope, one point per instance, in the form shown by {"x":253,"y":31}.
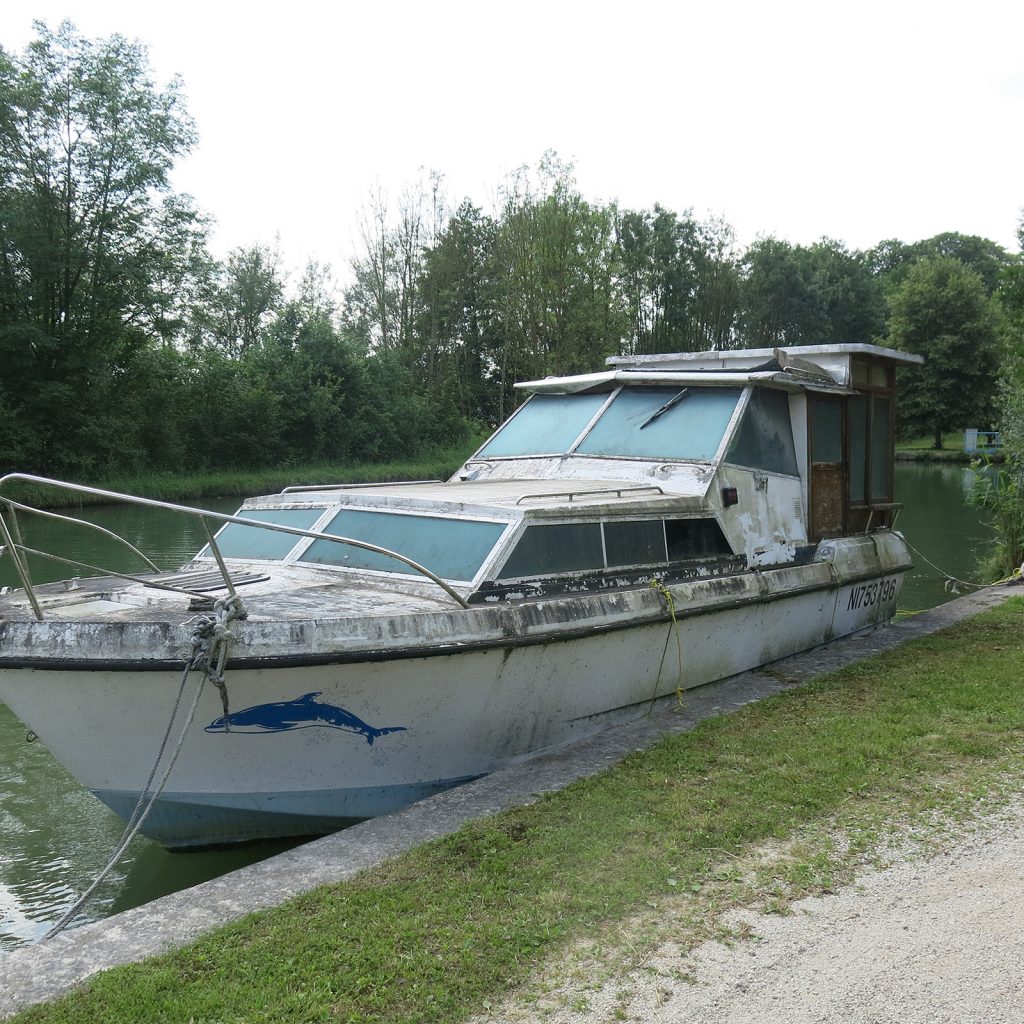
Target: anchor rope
{"x":211,"y":639}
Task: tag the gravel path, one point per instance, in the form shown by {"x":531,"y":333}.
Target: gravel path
{"x":937,"y":941}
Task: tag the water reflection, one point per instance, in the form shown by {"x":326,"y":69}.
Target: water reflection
{"x":946,"y":530}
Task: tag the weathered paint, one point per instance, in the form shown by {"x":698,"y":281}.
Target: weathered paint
{"x":498,"y":683}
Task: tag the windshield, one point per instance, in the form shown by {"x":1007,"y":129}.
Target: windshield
{"x":640,"y":422}
{"x":545,"y":425}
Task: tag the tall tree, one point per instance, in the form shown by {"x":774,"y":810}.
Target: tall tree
{"x":805,"y":295}
{"x":246,"y":296}
{"x":96,"y":250}
{"x":94,"y":240}
{"x":554,"y":293}
{"x":1011,"y":298}
{"x":892,"y":259}
{"x":458,"y":320}
{"x":943,"y":312}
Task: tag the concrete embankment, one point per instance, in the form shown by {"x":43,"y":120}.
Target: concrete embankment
{"x":42,"y":972}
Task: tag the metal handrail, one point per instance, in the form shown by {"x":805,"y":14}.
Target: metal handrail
{"x":15,"y":548}
{"x":299,"y":488}
{"x":572,"y":495}
{"x":82,"y":522}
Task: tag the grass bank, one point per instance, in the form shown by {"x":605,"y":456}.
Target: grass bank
{"x":448,"y":930}
{"x":922,"y":449}
{"x":177,"y":487}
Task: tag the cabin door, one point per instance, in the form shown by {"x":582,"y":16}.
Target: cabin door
{"x":828,"y":467}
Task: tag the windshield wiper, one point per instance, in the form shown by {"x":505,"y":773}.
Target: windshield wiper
{"x":674,"y":400}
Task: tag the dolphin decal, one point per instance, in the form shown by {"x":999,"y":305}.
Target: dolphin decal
{"x":302,"y":713}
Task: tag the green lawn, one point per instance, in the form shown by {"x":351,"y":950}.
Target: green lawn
{"x":451,"y":928}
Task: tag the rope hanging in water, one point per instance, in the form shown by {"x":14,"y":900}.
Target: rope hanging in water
{"x":211,"y":640}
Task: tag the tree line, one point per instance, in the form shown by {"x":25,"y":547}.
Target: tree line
{"x":125,"y":346}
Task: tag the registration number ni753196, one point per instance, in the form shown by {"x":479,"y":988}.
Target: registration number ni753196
{"x":868,"y":594}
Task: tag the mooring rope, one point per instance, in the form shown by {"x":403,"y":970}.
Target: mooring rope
{"x":952,"y":581}
{"x":670,"y":604}
{"x":211,"y":639}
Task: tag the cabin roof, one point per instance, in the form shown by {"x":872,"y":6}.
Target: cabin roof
{"x":748,"y":359}
{"x":479,"y":496}
{"x":799,"y":368}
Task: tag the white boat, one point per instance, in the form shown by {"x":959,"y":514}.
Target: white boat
{"x":627,"y":534}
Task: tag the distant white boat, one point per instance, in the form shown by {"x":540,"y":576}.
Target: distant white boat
{"x":673,"y":520}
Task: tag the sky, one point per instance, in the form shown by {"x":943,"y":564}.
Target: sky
{"x":856,"y":121}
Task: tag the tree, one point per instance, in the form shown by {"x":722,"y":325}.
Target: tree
{"x":942,"y":311}
{"x":679,"y":278}
{"x":806,"y":295}
{"x":892,"y":259}
{"x":458,"y":326}
{"x":96,"y":251}
{"x":553,"y":265}
{"x":245,"y":298}
{"x":383,"y":305}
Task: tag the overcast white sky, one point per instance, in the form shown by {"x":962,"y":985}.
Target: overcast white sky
{"x":859,"y":121}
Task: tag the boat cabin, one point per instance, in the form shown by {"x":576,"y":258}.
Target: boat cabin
{"x":662,"y":466}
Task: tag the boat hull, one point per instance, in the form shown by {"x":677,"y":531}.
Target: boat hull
{"x":309,"y":747}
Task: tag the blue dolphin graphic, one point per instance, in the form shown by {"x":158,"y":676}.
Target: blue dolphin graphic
{"x":302,"y":713}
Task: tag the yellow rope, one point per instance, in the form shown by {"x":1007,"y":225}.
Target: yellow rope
{"x":670,"y":603}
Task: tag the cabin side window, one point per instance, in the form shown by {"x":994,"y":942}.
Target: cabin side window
{"x":592,"y":547}
{"x":764,"y":439}
{"x":635,"y":543}
{"x":451,"y":548}
{"x":238,"y":541}
{"x":546,"y":550}
{"x":695,"y":538}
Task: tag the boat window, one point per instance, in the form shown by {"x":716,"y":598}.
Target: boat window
{"x":577,"y":547}
{"x":635,"y":543}
{"x":881,"y":447}
{"x":857,"y":410}
{"x":663,"y":423}
{"x":546,"y":550}
{"x":695,"y":538}
{"x":826,"y":431}
{"x":452,"y":548}
{"x":545,"y":425}
{"x":764,"y":439}
{"x":237,"y":541}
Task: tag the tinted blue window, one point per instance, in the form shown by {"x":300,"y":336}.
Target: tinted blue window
{"x":765,"y":436}
{"x":237,"y":541}
{"x":545,"y":425}
{"x":451,"y":548}
{"x":663,"y":423}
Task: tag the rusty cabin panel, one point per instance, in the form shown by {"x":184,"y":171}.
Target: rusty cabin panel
{"x":826,"y":436}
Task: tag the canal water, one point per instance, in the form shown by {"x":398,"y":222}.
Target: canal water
{"x":55,"y":837}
